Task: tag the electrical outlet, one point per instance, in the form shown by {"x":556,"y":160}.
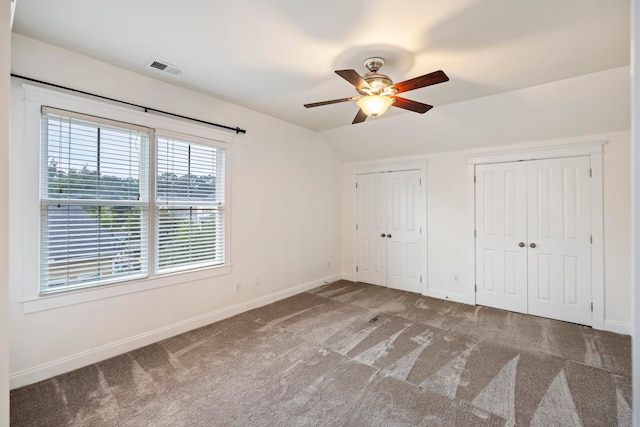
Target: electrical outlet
{"x":238,"y":286}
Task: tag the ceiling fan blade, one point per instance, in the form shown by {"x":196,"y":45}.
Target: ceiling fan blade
{"x":333,"y":101}
{"x":410,"y":105}
{"x":354,"y":78}
{"x":360,"y":117}
{"x":422,"y":81}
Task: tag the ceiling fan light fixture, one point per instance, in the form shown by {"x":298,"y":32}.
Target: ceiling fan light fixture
{"x":374,"y":105}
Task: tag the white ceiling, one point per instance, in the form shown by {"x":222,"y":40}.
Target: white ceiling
{"x":273,"y":56}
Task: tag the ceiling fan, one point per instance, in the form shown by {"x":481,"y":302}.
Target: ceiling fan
{"x":378,"y":92}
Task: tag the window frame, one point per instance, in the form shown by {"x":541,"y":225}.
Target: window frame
{"x":80,"y":123}
{"x":155,"y":204}
{"x":29,"y":205}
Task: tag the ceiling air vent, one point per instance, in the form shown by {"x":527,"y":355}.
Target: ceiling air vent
{"x":167,"y":68}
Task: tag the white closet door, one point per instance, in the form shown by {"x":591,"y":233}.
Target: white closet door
{"x":403,"y":231}
{"x":559,"y":252}
{"x":501,"y":227}
{"x":388,"y":236}
{"x":371,"y":215}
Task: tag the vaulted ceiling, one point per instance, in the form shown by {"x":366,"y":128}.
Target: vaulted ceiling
{"x":273,"y":56}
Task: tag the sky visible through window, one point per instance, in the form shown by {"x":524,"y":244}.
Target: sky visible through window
{"x":83,"y":139}
{"x":95,"y":187}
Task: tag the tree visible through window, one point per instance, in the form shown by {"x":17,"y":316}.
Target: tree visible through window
{"x":190,"y":204}
{"x":96,"y":208}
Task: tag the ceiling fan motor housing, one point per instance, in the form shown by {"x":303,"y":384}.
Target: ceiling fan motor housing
{"x":377,"y":81}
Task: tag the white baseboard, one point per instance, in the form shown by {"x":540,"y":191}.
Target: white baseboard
{"x":609,"y":325}
{"x":79,"y":360}
{"x":347,"y":276}
{"x":434,"y":293}
{"x":450,"y":296}
{"x":618,"y":327}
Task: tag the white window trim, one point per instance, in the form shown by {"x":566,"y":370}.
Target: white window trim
{"x":27,"y":173}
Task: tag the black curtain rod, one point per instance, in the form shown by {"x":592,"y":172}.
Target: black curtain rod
{"x":237,"y":130}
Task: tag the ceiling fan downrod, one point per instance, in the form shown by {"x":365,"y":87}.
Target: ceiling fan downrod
{"x":374,"y":64}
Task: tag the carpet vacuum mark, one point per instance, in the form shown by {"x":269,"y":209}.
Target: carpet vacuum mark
{"x":318,"y":359}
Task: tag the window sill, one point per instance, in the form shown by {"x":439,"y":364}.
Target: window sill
{"x":48,"y":302}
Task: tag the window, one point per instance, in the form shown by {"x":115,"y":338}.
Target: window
{"x":121,"y":202}
{"x":189,"y":205}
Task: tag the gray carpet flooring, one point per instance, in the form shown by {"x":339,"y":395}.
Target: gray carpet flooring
{"x":351,"y":354}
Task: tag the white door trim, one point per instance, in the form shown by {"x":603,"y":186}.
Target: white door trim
{"x":420,"y":165}
{"x":592,"y":149}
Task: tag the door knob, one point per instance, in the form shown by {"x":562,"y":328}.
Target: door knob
{"x":533,"y":245}
{"x":521,"y":244}
{"x":389,"y":235}
{"x":383,"y":235}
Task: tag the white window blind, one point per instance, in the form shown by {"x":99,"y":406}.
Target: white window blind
{"x":121,"y":202}
{"x":94,"y":201}
{"x":190,"y":204}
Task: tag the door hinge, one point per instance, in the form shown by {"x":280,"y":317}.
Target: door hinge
{"x":420,"y":181}
{"x":420,"y":230}
{"x":420,"y":279}
{"x":475,"y":233}
{"x":590,"y":172}
{"x":356,"y":268}
{"x":592,"y":307}
{"x":356,"y":227}
{"x":474,"y":178}
{"x":591,"y":239}
{"x":475,"y":288}
{"x":356,"y":185}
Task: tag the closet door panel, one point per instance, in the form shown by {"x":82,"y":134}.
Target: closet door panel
{"x":501,"y":256}
{"x":559,"y":234}
{"x":404,"y":255}
{"x":371,"y":200}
